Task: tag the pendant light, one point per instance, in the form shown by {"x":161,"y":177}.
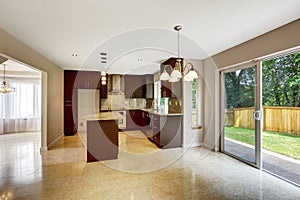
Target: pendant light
{"x":5,"y":87}
{"x":176,"y":73}
{"x":191,"y":75}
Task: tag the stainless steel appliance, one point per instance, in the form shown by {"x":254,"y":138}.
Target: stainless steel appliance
{"x":122,"y":119}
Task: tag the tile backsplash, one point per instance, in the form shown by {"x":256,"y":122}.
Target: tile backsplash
{"x":119,"y":102}
{"x":175,"y":105}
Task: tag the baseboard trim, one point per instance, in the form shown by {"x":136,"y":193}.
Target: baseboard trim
{"x":43,"y":149}
{"x":207,"y":146}
{"x":192,"y":145}
{"x":54,"y":141}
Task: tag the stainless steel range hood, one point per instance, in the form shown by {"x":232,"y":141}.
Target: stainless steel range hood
{"x":117,"y":84}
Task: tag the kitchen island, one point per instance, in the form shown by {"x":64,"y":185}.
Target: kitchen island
{"x":102,"y":137}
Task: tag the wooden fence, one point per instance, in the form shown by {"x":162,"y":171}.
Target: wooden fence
{"x":275,"y":118}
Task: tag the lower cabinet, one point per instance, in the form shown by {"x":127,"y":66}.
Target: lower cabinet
{"x":132,"y":119}
{"x":144,"y":121}
{"x":156,"y":129}
{"x":137,"y":119}
{"x":164,"y":130}
{"x":167,"y":131}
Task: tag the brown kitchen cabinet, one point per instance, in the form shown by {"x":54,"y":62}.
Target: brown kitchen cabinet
{"x":74,"y":80}
{"x":135,"y":86}
{"x":70,"y":102}
{"x":144,"y":121}
{"x":167,"y":131}
{"x":102,"y":140}
{"x":132,"y":119}
{"x":137,"y":120}
{"x":156,"y":129}
{"x":88,"y":80}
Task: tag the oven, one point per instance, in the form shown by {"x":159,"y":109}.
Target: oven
{"x":122,"y":119}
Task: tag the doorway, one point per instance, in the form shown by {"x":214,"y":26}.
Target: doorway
{"x":242,"y":109}
{"x":25,"y":110}
{"x":260,"y":114}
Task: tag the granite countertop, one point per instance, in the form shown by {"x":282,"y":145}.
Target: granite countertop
{"x":155,"y":112}
{"x":113,"y":115}
{"x":102,"y":116}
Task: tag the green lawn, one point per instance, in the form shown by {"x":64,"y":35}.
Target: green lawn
{"x":284,"y":144}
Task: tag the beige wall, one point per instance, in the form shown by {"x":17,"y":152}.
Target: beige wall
{"x":14,"y":48}
{"x":282,"y":38}
{"x":274,"y":41}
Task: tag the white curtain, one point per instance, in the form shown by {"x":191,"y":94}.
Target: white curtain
{"x":20,"y":111}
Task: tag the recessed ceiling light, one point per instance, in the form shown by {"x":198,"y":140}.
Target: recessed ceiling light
{"x":74,"y":54}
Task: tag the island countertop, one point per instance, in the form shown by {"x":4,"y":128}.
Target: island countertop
{"x":102,"y":116}
{"x":155,"y":112}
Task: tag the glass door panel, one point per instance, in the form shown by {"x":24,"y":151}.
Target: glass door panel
{"x":241,"y":130}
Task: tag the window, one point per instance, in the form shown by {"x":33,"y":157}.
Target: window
{"x":20,"y":111}
{"x":194,"y":103}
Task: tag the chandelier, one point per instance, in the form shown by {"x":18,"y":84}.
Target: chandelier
{"x":5,"y":87}
{"x":176,"y":73}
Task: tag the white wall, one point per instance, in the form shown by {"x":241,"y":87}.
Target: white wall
{"x":192,"y":137}
{"x":210,"y":139}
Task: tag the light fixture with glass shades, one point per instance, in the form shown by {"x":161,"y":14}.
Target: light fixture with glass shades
{"x":176,"y":73}
{"x":103,"y":78}
{"x":190,"y":74}
{"x":5,"y":87}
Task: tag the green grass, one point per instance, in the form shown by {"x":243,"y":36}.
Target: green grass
{"x":285,"y":144}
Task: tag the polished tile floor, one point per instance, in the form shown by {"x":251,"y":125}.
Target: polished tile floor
{"x":62,"y":173}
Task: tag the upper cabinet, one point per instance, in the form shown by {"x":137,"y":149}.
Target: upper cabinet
{"x":69,"y":81}
{"x":139,"y":86}
{"x":135,"y":86}
{"x":169,"y":89}
{"x":87,"y":80}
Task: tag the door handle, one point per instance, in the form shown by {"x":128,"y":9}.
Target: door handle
{"x":257,"y":115}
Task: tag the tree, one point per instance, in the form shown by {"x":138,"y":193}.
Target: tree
{"x":281,"y":81}
{"x":239,"y":88}
{"x":280,"y":78}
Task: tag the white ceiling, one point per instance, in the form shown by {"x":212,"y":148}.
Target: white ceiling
{"x":128,"y":30}
{"x":17,"y":67}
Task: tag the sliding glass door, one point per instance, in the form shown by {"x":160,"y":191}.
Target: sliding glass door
{"x":241,"y":117}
